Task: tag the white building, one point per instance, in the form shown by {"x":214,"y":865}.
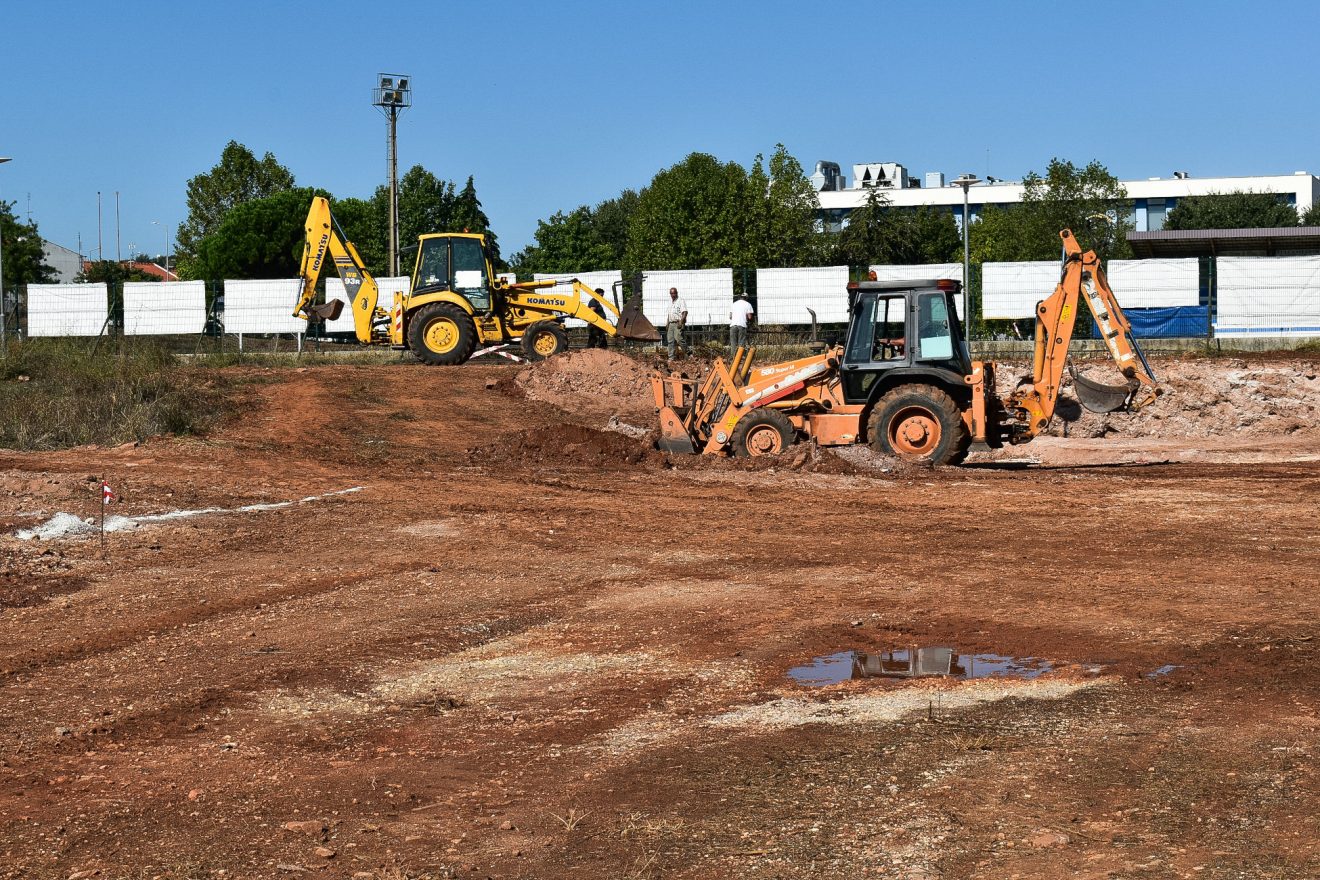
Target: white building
{"x":1152,"y":199}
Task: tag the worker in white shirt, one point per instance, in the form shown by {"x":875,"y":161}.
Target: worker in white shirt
{"x":675,"y":322}
{"x":740,"y":318}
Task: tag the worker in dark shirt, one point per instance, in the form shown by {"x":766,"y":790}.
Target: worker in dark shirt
{"x":595,"y":335}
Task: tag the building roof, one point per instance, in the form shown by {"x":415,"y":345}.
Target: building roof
{"x":1226,"y":242}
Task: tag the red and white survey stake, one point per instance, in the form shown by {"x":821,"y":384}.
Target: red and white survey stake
{"x":106,"y":494}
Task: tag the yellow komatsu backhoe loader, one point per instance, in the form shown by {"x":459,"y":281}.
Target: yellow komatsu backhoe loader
{"x":904,"y":380}
{"x":455,"y":300}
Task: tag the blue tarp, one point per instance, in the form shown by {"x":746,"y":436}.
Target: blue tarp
{"x":1164,"y":323}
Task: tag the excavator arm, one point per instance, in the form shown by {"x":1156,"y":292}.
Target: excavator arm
{"x":1082,"y":279}
{"x":325,"y":238}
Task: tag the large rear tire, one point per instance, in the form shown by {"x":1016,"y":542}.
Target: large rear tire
{"x":442,"y":334}
{"x":919,"y":423}
{"x":544,"y":339}
{"x":762,"y":432}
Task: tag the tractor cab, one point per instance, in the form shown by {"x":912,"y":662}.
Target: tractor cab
{"x":895,"y":324}
{"x":455,"y":262}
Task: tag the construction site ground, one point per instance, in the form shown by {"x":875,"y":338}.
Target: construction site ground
{"x":530,"y":647}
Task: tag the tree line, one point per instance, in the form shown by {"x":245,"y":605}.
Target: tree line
{"x":245,"y":220}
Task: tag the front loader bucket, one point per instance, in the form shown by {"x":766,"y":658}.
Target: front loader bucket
{"x":673,"y":435}
{"x":634,"y":325}
{"x":1098,"y":397}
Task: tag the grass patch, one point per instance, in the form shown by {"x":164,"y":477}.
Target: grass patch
{"x":56,"y":393}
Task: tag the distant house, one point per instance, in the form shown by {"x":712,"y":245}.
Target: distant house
{"x":66,"y":263}
{"x":145,"y":266}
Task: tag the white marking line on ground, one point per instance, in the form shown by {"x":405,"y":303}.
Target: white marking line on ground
{"x":63,"y":525}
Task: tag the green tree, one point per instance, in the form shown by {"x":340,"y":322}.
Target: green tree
{"x":565,"y":243}
{"x":237,"y":178}
{"x":1235,"y":210}
{"x":468,"y":216}
{"x":582,"y":240}
{"x":792,"y":238}
{"x":23,"y":251}
{"x":610,"y":221}
{"x":262,"y":238}
{"x":362,"y":222}
{"x":862,"y":241}
{"x":1090,"y":201}
{"x":691,"y":216}
{"x":427,"y":204}
{"x":1312,"y":215}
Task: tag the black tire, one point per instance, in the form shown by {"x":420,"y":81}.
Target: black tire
{"x":442,"y":334}
{"x":919,"y":423}
{"x":762,"y":432}
{"x":544,"y":339}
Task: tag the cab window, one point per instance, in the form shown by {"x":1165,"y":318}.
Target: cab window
{"x":470,"y":272}
{"x":433,"y":265}
{"x":878,"y":330}
{"x":935,"y":339}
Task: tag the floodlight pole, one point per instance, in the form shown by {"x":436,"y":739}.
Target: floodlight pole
{"x":966,"y":182}
{"x":391,"y":96}
{"x":3,"y":329}
{"x":394,"y":190}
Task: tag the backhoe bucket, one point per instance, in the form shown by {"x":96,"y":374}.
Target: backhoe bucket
{"x":1098,"y":397}
{"x":634,"y":325}
{"x":330,"y":311}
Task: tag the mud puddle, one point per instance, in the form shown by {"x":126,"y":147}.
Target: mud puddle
{"x":914,"y":662}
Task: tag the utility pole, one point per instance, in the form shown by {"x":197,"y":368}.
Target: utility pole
{"x":119,"y":256}
{"x":3,"y":349}
{"x":100,"y":255}
{"x":393,"y":95}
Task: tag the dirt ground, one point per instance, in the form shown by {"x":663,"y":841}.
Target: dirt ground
{"x":531,"y":648}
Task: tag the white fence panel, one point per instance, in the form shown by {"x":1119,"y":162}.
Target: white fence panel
{"x":784,"y":295}
{"x":264,"y":306}
{"x":1152,"y":284}
{"x":66,"y":309}
{"x":1011,"y":290}
{"x":334,"y":289}
{"x":160,"y":307}
{"x":509,"y":277}
{"x":1267,"y":296}
{"x":603,"y":280}
{"x":923,"y":272}
{"x":707,"y":292}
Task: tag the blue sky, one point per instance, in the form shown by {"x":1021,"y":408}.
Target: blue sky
{"x":552,"y":105}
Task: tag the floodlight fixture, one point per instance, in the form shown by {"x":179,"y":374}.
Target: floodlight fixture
{"x":392,"y":92}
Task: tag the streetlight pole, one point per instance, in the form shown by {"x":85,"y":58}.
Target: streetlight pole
{"x":967,"y":181}
{"x":3,"y":328}
{"x":393,"y":96}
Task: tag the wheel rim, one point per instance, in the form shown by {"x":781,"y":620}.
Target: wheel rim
{"x":764,"y":440}
{"x":914,"y":431}
{"x":545,"y":344}
{"x":442,"y":335}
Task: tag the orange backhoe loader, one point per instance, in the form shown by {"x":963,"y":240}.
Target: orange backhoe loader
{"x":904,"y":380}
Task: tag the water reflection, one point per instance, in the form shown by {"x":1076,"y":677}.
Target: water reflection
{"x":914,"y":662}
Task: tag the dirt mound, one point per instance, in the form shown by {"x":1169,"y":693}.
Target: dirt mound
{"x":565,"y":444}
{"x":1206,"y":398}
{"x":594,"y":383}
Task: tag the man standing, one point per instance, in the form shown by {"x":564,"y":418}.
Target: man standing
{"x":595,"y":335}
{"x":740,"y":318}
{"x":675,"y":322}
